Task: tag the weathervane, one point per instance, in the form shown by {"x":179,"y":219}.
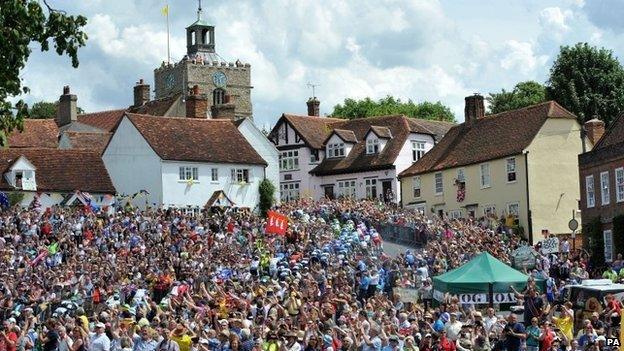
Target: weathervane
{"x":313,"y":86}
{"x":199,"y":11}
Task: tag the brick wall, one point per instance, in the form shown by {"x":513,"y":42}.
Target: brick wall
{"x":614,"y":208}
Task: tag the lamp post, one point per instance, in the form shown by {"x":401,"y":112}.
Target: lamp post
{"x":573,"y":225}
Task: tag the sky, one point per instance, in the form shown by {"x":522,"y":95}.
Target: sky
{"x":423,"y":50}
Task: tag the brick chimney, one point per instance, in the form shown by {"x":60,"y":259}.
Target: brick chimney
{"x":594,"y":129}
{"x":314,"y":107}
{"x":226,"y":110}
{"x":67,"y":110}
{"x":196,"y":104}
{"x":474,"y":109}
{"x":141,"y":93}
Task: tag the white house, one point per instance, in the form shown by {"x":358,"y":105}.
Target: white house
{"x":360,"y":158}
{"x":183,"y":162}
{"x":54,"y":176}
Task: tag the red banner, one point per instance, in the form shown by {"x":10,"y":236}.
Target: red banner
{"x":276,"y":223}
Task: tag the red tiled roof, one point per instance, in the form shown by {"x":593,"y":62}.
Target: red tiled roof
{"x":88,"y":140}
{"x":382,"y":132}
{"x":105,"y":120}
{"x":398,"y":126}
{"x":61,"y":170}
{"x":36,"y":133}
{"x":156,"y":107}
{"x":489,"y":138}
{"x":191,"y":139}
{"x":614,"y":135}
{"x":346,"y":135}
{"x":313,"y":130}
{"x":610,"y":147}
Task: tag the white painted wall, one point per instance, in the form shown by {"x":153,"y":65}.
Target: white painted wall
{"x":404,"y":160}
{"x":133,"y":165}
{"x":266,"y":149}
{"x":335,"y":139}
{"x":179,"y":193}
{"x":285,"y":129}
{"x":390,"y":174}
{"x":49,"y":199}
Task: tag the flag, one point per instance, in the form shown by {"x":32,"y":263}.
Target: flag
{"x":4,"y":200}
{"x":276,"y":223}
{"x":165,"y":10}
{"x":52,"y":249}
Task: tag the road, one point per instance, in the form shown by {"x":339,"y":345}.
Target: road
{"x":393,"y":249}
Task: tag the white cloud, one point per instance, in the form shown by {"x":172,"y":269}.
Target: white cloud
{"x":520,"y":57}
{"x":554,"y":19}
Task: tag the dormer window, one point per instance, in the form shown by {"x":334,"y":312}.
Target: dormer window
{"x":24,"y":179}
{"x":335,"y":150}
{"x":372,"y":146}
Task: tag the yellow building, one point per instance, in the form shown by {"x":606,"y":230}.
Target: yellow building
{"x":522,"y":162}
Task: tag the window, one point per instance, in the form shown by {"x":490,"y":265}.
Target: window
{"x":335,"y":150}
{"x":371,"y":188}
{"x":214,"y":174}
{"x":589,"y":190}
{"x":289,"y":192}
{"x":239,"y":175}
{"x":461,"y":175}
{"x":619,"y":184}
{"x":218,"y":96}
{"x":418,"y":150}
{"x":439,"y":183}
{"x":513,"y":208}
{"x":314,"y":156}
{"x":372,"y":146}
{"x":416,"y":186}
{"x":289,"y":160}
{"x":188,"y":173}
{"x":604,"y":188}
{"x":346,"y":188}
{"x":455,"y":214}
{"x":608,"y":245}
{"x":485,"y":175}
{"x":421,"y":208}
{"x":511,"y":170}
{"x":489,"y":210}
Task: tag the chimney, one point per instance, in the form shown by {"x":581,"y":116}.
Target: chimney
{"x":226,"y":110}
{"x":594,"y":129}
{"x":141,"y":93}
{"x":67,"y":111}
{"x":474,"y":109}
{"x":314,"y":107}
{"x":196,"y":104}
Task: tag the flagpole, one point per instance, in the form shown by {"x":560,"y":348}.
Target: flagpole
{"x":168,"y":52}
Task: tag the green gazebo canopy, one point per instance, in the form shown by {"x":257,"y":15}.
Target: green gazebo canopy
{"x":478,"y":274}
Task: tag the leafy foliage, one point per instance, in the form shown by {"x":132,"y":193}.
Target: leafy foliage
{"x":389,"y":105}
{"x":267,"y":196}
{"x":618,"y":235}
{"x":587,"y":81}
{"x":15,"y":198}
{"x":523,"y":94}
{"x":24,"y":22}
{"x":46,"y":109}
{"x":594,"y":241}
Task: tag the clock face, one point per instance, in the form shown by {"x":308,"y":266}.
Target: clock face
{"x":169,"y":81}
{"x":219,"y":79}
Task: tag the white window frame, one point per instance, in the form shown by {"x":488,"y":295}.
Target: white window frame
{"x":289,"y":192}
{"x":607,"y":237}
{"x":416,"y":187}
{"x":619,"y":184}
{"x":422,"y":208}
{"x":510,"y":167}
{"x":186,"y":173}
{"x":605,"y":193}
{"x":214,"y":175}
{"x":335,"y":150}
{"x":590,"y":191}
{"x":517,"y":205}
{"x":418,"y":150}
{"x":372,"y":146}
{"x":461,"y":175}
{"x":456,"y":214}
{"x":370,"y":184}
{"x":438,"y":188}
{"x":289,"y":160}
{"x":486,"y":180}
{"x":240,"y":175}
{"x":487,"y":209}
{"x":347,"y":188}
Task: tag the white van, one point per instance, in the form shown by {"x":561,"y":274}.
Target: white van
{"x":590,"y":292}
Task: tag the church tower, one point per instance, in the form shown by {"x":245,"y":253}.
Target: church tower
{"x":222,"y":82}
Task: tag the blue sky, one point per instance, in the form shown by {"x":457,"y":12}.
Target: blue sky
{"x":420,"y":49}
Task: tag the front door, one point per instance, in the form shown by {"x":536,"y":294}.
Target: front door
{"x":386,"y":188}
{"x":329,"y":192}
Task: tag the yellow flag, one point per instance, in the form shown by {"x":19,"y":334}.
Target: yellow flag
{"x":165,"y":10}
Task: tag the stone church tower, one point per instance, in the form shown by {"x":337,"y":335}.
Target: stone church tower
{"x":224,"y":83}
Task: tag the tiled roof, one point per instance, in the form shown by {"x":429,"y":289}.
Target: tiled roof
{"x":399,"y":127}
{"x":199,"y":140}
{"x":88,"y":140}
{"x":382,"y":132}
{"x":610,"y":146}
{"x":313,"y":130}
{"x":61,"y":170}
{"x":36,"y":133}
{"x":104,"y":120}
{"x":438,"y":128}
{"x":614,"y":135}
{"x":488,"y":138}
{"x":158,"y":107}
{"x":346,"y":135}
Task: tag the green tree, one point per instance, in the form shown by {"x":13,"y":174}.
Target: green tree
{"x":267,"y":196}
{"x":46,"y":109}
{"x":523,"y":94}
{"x":588,"y":81}
{"x":351,"y":109}
{"x":24,"y":22}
